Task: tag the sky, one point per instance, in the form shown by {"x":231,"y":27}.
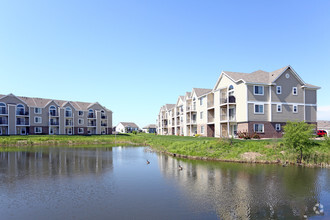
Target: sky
{"x":135,"y":56}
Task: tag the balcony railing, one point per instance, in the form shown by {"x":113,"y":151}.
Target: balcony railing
{"x":230,"y":99}
{"x":3,"y":122}
{"x":210,"y":120}
{"x":22,"y":123}
{"x":103,"y":124}
{"x":193,"y":121}
{"x":210,"y":104}
{"x":53,"y":114}
{"x":188,"y":120}
{"x":91,"y":124}
{"x":68,"y":123}
{"x":103,"y":116}
{"x":22,"y":113}
{"x":90,"y":115}
{"x":223,"y":117}
{"x":232,"y":117}
{"x":68,"y":114}
{"x":53,"y":123}
{"x":3,"y":112}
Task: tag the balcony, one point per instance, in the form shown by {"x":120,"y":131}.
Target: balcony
{"x":3,"y":122}
{"x":68,"y":114}
{"x":188,"y":120}
{"x":3,"y":112}
{"x":210,"y":104}
{"x":91,"y":124}
{"x":224,"y":117}
{"x":193,"y":121}
{"x":230,"y":99}
{"x":103,"y":117}
{"x":53,"y":114}
{"x":68,"y":123}
{"x":53,"y":123}
{"x":104,"y":124}
{"x":210,"y":120}
{"x":22,"y":123}
{"x":22,"y":113}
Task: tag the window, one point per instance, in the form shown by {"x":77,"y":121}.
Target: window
{"x":231,"y":87}
{"x":68,"y":112}
{"x":37,"y":111}
{"x":2,"y":108}
{"x":52,"y":110}
{"x":202,"y":129}
{"x":80,"y":121}
{"x":278,"y":127}
{"x":103,"y":116}
{"x":37,"y":120}
{"x":20,"y":110}
{"x":278,"y":89}
{"x":181,"y":119}
{"x":91,"y":113}
{"x":294,"y":91}
{"x":201,"y":115}
{"x":80,"y":113}
{"x":279,"y":108}
{"x":201,"y":101}
{"x":258,"y":90}
{"x":258,"y":128}
{"x":80,"y":130}
{"x":38,"y":130}
{"x":295,"y":109}
{"x":258,"y":109}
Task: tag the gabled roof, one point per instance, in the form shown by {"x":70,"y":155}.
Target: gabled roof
{"x":169,"y":106}
{"x":261,"y":76}
{"x":199,"y":91}
{"x":129,"y":124}
{"x":150,"y":126}
{"x":41,"y":102}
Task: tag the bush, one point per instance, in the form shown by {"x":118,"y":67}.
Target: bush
{"x":134,"y":132}
{"x":297,"y":135}
{"x":256,"y":136}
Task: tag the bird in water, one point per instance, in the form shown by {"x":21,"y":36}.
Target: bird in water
{"x":180,"y":167}
{"x":148,"y":162}
{"x":285,"y":164}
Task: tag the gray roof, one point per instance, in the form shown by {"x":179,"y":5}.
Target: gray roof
{"x":42,"y":102}
{"x":169,"y":106}
{"x":150,"y":126}
{"x":199,"y":92}
{"x":129,"y":124}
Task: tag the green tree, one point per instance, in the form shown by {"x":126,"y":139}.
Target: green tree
{"x":297,"y":135}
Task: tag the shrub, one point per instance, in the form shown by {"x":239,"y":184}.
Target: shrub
{"x":256,"y":136}
{"x":134,"y":132}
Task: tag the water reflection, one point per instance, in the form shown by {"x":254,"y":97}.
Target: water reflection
{"x":54,"y":162}
{"x":245,"y":191}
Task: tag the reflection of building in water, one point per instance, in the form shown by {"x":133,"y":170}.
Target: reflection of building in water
{"x":56,"y":161}
{"x":244,"y":191}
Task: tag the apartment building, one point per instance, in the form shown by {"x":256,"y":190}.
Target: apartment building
{"x":258,"y":102}
{"x":24,"y":115}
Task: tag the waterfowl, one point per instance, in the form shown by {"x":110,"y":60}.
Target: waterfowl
{"x":180,"y":167}
{"x":148,"y":162}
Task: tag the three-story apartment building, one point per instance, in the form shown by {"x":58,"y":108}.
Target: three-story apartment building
{"x":24,"y":115}
{"x":258,"y":102}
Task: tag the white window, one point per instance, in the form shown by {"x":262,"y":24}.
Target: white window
{"x":258,"y":109}
{"x":258,"y":90}
{"x":201,"y":101}
{"x":279,"y":108}
{"x":68,"y":112}
{"x":37,"y":120}
{"x":80,"y":113}
{"x":294,"y":91}
{"x":201,"y":115}
{"x":80,"y":121}
{"x":2,"y":108}
{"x":202,"y":129}
{"x":278,"y":127}
{"x":258,"y":128}
{"x":295,"y":109}
{"x":80,"y":130}
{"x":278,"y":89}
{"x":37,"y":110}
{"x":37,"y":130}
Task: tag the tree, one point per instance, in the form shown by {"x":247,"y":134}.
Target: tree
{"x":297,"y":135}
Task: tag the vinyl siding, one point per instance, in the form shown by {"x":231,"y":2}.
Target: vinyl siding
{"x":258,"y":117}
{"x":287,"y":113}
{"x":310,"y":96}
{"x":260,"y":98}
{"x":310,"y":113}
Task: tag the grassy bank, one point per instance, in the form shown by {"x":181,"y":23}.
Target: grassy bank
{"x":271,"y":150}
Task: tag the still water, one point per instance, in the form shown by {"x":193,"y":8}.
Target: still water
{"x":117,"y":183}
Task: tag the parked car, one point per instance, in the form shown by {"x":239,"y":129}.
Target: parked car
{"x":321,"y":133}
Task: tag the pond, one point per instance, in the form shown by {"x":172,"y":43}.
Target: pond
{"x":117,"y":183}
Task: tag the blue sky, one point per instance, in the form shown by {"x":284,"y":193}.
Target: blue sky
{"x":134,"y":56}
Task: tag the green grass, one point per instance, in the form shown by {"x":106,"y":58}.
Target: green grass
{"x":201,"y":147}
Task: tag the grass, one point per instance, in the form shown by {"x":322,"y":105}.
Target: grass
{"x":270,"y":150}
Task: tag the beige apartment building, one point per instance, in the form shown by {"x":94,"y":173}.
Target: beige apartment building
{"x":23,"y":115}
{"x":258,"y":102}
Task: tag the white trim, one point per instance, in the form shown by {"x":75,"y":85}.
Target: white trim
{"x":254,"y":90}
{"x":263,"y":128}
{"x":278,"y":127}
{"x":296,"y":109}
{"x":37,"y":113}
{"x":277,"y":105}
{"x":15,"y":97}
{"x":35,"y":130}
{"x":259,"y":113}
{"x":278,"y":87}
{"x":82,"y":130}
{"x":293,"y":88}
{"x":38,"y":118}
{"x":269,"y":104}
{"x":283,"y":103}
{"x":82,"y":112}
{"x":82,"y":121}
{"x":202,"y":129}
{"x":305,"y":104}
{"x":294,"y":72}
